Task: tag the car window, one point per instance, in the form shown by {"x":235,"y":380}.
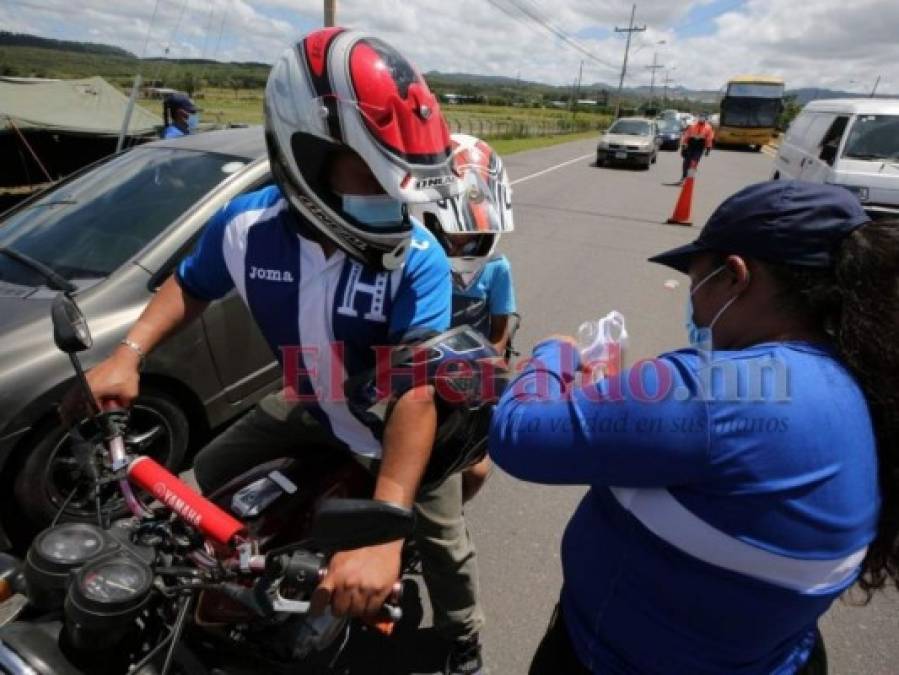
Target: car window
{"x":831,"y":141}
{"x":166,"y":270}
{"x":633,"y":127}
{"x":816,"y":130}
{"x":873,"y":137}
{"x":797,"y":129}
{"x":86,"y":228}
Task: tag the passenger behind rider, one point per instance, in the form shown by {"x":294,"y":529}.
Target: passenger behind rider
{"x":469,"y":227}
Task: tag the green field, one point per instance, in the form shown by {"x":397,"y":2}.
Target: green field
{"x":230,"y":93}
{"x":226,"y":106}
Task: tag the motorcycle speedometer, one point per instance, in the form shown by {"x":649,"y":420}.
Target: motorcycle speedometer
{"x":71,"y":543}
{"x":114,"y":581}
{"x":54,"y":553}
{"x":105,"y":598}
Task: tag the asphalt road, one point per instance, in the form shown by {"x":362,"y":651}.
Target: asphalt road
{"x":579,"y":250}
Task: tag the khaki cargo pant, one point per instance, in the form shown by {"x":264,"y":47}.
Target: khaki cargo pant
{"x":277,"y":428}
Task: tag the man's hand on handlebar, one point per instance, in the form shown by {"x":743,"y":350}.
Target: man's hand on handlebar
{"x":114,"y":384}
{"x":359,"y":582}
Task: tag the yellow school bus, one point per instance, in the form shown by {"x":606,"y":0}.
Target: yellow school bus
{"x":749,"y":110}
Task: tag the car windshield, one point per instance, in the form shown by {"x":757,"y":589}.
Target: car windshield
{"x":88,"y":227}
{"x":874,"y":137}
{"x":669,"y":126}
{"x":632,"y":127}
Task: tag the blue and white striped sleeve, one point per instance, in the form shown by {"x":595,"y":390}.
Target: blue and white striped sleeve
{"x":203,"y":273}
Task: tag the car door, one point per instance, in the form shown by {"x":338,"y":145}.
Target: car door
{"x":243,"y":360}
{"x":790,"y":153}
{"x":242,"y":356}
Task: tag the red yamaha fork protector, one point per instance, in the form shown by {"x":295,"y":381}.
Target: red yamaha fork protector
{"x":191,"y":507}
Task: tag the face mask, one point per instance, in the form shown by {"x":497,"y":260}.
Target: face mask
{"x":376,"y":211}
{"x":193,"y":121}
{"x":703,"y":336}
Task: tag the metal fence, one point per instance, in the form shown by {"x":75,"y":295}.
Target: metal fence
{"x":506,"y":129}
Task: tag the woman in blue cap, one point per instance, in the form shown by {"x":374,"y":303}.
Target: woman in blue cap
{"x":739,"y":486}
{"x":180,"y":116}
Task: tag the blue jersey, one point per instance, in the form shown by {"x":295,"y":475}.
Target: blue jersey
{"x":321,"y":316}
{"x":732,"y":499}
{"x":491,"y":294}
{"x":171,"y":131}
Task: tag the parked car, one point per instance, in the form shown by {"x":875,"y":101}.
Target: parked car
{"x":115,"y":231}
{"x":631,"y":140}
{"x":848,"y":142}
{"x":669,"y":132}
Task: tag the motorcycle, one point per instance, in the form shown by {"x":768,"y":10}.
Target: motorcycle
{"x":186,"y":584}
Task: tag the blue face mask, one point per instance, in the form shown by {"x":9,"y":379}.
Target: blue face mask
{"x":377,"y":211}
{"x":701,"y":337}
{"x":193,"y":121}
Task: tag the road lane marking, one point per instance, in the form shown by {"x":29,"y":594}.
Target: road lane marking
{"x":552,"y":168}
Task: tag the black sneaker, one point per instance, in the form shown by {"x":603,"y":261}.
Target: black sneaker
{"x":465,"y":658}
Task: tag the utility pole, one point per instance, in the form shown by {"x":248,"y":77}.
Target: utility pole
{"x":577,"y":91}
{"x":667,"y":82}
{"x":330,"y":12}
{"x":874,"y":90}
{"x":652,"y":82}
{"x":630,"y":30}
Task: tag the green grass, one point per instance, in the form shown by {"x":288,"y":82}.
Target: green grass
{"x":513,"y":145}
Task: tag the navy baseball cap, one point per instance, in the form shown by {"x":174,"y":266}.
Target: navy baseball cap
{"x":779,"y":221}
{"x":181,"y":102}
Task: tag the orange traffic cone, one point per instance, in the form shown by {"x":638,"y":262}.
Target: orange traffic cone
{"x":681,"y":215}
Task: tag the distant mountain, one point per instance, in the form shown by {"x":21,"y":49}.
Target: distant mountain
{"x":8,"y":39}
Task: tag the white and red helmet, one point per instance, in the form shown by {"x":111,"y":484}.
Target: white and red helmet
{"x":483,"y":208}
{"x":344,"y":88}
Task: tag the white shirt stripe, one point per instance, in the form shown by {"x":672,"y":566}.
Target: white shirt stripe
{"x":667,"y":518}
{"x":319,"y":278}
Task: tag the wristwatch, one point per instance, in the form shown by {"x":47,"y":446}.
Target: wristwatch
{"x":133,"y":346}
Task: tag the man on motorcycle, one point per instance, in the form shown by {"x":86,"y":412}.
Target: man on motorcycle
{"x":330,"y":265}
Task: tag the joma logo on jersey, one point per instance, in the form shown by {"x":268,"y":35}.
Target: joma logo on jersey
{"x":271,"y":275}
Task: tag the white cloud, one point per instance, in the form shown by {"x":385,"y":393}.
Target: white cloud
{"x":826,"y":43}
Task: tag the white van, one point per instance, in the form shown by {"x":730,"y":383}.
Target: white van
{"x":849,"y":142}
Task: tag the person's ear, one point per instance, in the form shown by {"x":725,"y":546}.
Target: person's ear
{"x":737,"y":272}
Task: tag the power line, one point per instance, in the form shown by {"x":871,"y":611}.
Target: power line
{"x":531,"y":14}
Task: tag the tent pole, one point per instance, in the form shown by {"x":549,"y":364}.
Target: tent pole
{"x":128,"y":111}
{"x":30,"y":149}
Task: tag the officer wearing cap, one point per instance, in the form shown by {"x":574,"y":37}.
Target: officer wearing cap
{"x":740,"y":485}
{"x":180,"y":116}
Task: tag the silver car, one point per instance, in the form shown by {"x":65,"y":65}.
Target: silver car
{"x":630,"y":140}
{"x":114,"y":232}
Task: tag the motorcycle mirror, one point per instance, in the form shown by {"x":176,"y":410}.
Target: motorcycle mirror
{"x":70,"y":331}
{"x":344,"y":524}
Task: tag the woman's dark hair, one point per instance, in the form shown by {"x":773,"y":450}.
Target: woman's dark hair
{"x":857,"y":303}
